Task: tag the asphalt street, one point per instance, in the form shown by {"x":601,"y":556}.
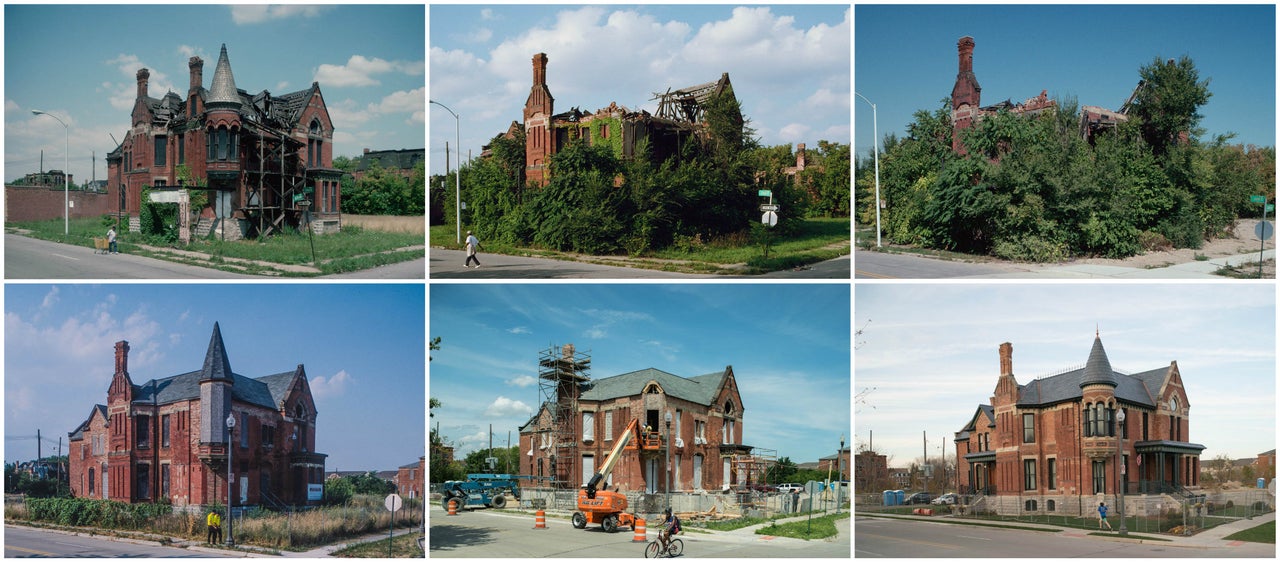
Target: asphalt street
{"x":487,"y":533}
{"x":31,"y":542}
{"x":448,"y":264}
{"x":883,"y":265}
{"x":30,"y":258}
{"x":879,"y":537}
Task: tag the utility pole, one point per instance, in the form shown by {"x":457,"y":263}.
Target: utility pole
{"x":924,"y":476}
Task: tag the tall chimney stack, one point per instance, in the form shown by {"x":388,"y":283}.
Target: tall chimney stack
{"x":143,"y":75}
{"x":122,"y":357}
{"x":196,"y":65}
{"x":1006,"y":359}
{"x":539,"y":69}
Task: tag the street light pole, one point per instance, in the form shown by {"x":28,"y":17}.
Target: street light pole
{"x":839,"y":473}
{"x":457,"y":194}
{"x":668,"y":419}
{"x":66,"y":173}
{"x":231,"y":425}
{"x":875,"y":132}
{"x":1120,"y":470}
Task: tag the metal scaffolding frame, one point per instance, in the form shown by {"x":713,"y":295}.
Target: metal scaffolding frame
{"x":562,"y":371}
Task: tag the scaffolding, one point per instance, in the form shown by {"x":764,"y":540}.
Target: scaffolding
{"x":750,"y":470}
{"x":562,"y":371}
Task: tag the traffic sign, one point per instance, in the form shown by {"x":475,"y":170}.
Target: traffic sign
{"x":813,"y":487}
{"x":1257,"y":199}
{"x":770,"y":218}
{"x":1271,"y":207}
{"x":1264,"y":230}
{"x":393,"y":502}
{"x":768,"y":207}
{"x":769,"y":193}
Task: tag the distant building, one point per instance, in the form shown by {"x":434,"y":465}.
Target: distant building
{"x":411,"y":479}
{"x":51,"y":178}
{"x":399,"y":162}
{"x":829,"y":463}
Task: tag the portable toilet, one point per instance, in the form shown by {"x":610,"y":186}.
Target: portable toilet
{"x":889,"y":498}
{"x":899,"y":497}
{"x":1262,"y":483}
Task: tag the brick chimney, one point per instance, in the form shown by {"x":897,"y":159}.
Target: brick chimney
{"x":122,"y":357}
{"x":1006,"y":359}
{"x":965,"y":47}
{"x":539,"y":69}
{"x":366,"y":151}
{"x":143,"y":75}
{"x":801,"y":159}
{"x":196,"y":64}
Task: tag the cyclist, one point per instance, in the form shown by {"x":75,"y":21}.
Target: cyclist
{"x":670,"y":527}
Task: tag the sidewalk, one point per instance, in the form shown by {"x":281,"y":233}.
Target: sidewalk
{"x":1192,"y":270}
{"x":1213,"y":537}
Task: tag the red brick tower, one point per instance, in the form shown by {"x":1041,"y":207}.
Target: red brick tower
{"x":119,"y":412}
{"x":222,"y":128}
{"x":538,"y":109}
{"x":966,"y":95}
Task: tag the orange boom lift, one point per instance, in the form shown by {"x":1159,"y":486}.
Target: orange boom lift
{"x":605,"y":507}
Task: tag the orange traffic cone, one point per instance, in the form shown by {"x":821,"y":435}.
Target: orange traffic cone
{"x":641,"y":534}
{"x":453,"y":508}
{"x":540,"y":520}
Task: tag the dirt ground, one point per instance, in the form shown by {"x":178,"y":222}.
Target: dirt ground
{"x":388,"y":223}
{"x":1245,"y":242}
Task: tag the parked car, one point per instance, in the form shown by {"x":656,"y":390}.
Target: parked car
{"x":763,"y":487}
{"x":790,"y":488}
{"x":949,"y":498}
{"x":918,"y":498}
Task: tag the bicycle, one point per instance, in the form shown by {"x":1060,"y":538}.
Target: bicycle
{"x":675,"y":547}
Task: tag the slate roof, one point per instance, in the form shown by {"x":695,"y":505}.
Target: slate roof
{"x":186,"y":386}
{"x":223,"y":90}
{"x":699,"y":389}
{"x":1097,"y":370}
{"x":1139,"y":389}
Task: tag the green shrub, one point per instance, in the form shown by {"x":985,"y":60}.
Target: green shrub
{"x":1030,"y":248}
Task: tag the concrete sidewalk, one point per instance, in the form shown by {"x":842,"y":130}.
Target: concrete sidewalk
{"x":1192,"y":270}
{"x":1213,"y":537}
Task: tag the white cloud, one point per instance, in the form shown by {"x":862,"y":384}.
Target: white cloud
{"x":412,"y":102}
{"x":258,"y":13}
{"x":523,"y":381}
{"x":825,"y":98}
{"x":503,"y":406}
{"x":280,"y":86}
{"x":519,"y":330}
{"x":360,"y":71}
{"x":333,"y":386}
{"x":793,"y":132}
{"x":595,"y":333}
{"x":480,"y":35}
{"x":486,"y":13}
{"x":50,"y":299}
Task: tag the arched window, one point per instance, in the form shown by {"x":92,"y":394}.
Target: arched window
{"x":728,"y":407}
{"x":652,"y":389}
{"x":90,"y":481}
{"x":1088,"y":420}
{"x":315,"y":142}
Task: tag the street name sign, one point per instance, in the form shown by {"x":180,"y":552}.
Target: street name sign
{"x":768,"y":207}
{"x":769,"y":193}
{"x":1257,"y":199}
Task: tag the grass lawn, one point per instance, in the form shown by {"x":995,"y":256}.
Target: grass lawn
{"x":1264,"y":533}
{"x":405,"y":545}
{"x":352,"y":249}
{"x":820,"y":527}
{"x":818,"y":239}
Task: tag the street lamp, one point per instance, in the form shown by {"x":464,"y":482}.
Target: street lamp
{"x":66,"y":173}
{"x":668,"y":419}
{"x":1120,"y":471}
{"x":875,"y":132}
{"x":457,"y":140}
{"x":231,"y":425}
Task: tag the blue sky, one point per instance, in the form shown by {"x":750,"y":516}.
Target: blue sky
{"x":789,"y":64}
{"x":931,"y":353}
{"x":788,"y":345}
{"x":369,"y":61}
{"x":362,"y":347}
{"x":906,"y":58}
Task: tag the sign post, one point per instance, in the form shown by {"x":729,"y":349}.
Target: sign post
{"x":1264,"y":230}
{"x":769,"y":218}
{"x":393,"y":504}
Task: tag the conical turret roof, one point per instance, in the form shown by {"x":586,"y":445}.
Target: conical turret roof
{"x":223,"y":90}
{"x":216,"y":364}
{"x":1098,"y":368}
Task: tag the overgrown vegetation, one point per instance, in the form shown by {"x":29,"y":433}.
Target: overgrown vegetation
{"x":1032,"y":189}
{"x":380,"y":191}
{"x":817,"y":528}
{"x":405,"y":545}
{"x":598,"y":203}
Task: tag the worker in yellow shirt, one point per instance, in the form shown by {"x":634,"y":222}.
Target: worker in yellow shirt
{"x":215,"y":527}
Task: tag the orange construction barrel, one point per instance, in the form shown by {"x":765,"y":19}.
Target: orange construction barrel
{"x":641,"y":534}
{"x":540,"y":520}
{"x":453,"y":508}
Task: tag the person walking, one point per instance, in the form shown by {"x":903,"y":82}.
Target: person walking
{"x":111,"y":240}
{"x":473,"y":245}
{"x":1102,"y":516}
{"x":214,"y":523}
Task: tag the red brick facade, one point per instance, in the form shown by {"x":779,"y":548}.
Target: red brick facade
{"x":706,"y":431}
{"x":411,"y":479}
{"x":1051,"y":444}
{"x":167,"y":440}
{"x":40,"y":203}
{"x":214,"y":132}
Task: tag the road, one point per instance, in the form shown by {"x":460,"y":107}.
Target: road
{"x":484,"y":533}
{"x":447,"y":264}
{"x":31,"y":542}
{"x":879,"y":537}
{"x":30,"y":258}
{"x":883,"y":265}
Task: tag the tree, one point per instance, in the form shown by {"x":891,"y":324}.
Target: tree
{"x":782,"y":471}
{"x":1168,"y":102}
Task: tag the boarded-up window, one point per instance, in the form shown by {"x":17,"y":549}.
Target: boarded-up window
{"x":608,"y":426}
{"x":588,"y":426}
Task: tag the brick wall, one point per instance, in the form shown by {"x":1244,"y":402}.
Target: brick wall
{"x":39,"y":203}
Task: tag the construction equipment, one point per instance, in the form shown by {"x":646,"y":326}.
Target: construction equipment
{"x":605,"y":507}
{"x":482,"y":490}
